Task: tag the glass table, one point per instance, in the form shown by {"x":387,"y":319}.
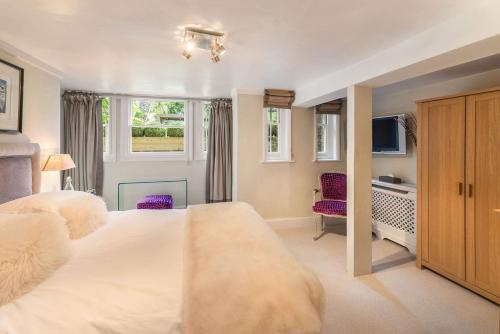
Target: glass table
{"x":130,"y":192}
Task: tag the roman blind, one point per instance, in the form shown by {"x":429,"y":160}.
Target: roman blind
{"x":278,"y":98}
{"x":332,"y":107}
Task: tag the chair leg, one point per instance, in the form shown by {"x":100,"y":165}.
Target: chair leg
{"x":316,"y":227}
{"x":322,"y":230}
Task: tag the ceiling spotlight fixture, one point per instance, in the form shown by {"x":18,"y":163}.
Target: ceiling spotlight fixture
{"x":189,"y":46}
{"x":215,"y":58}
{"x":219,"y":48}
{"x":195,"y":38}
{"x":186,"y":54}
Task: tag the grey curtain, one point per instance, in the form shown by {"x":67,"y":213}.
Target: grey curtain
{"x":220,"y":152}
{"x":82,"y":139}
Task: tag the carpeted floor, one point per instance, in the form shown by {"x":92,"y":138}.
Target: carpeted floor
{"x":396,"y":298}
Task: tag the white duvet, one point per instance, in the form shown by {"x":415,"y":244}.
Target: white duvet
{"x":124,"y":278}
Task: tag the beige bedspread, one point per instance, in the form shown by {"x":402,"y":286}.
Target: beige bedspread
{"x":240,"y":278}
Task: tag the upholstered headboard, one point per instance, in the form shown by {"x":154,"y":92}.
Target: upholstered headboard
{"x":20,"y":173}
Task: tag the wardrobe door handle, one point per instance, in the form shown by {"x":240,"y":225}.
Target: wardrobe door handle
{"x":460,"y":188}
{"x":470,"y":190}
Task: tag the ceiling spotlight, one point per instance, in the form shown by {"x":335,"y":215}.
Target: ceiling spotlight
{"x":195,"y":38}
{"x":190,"y":46}
{"x":215,"y":58}
{"x":219,"y":48}
{"x":186,"y":54}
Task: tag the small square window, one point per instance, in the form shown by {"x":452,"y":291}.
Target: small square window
{"x":327,"y":137}
{"x":277,"y":130}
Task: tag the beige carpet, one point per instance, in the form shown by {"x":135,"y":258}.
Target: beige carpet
{"x":396,"y":298}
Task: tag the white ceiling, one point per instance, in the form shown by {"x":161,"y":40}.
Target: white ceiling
{"x":470,"y":68}
{"x":127,"y":46}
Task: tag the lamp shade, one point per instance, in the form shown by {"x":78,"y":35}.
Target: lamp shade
{"x":59,"y":162}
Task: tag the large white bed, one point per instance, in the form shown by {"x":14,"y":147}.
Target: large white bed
{"x":126,"y":277}
{"x":72,"y":267}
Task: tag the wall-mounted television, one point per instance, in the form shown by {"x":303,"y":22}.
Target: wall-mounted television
{"x":388,"y":135}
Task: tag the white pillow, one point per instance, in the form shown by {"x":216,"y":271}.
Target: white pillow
{"x":83,"y":212}
{"x":32,"y":247}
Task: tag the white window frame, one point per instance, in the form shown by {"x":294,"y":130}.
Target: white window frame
{"x":284,"y":153}
{"x":126,"y":153}
{"x":199,"y":131}
{"x":333,"y":138}
{"x":110,"y":154}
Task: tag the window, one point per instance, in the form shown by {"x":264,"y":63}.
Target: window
{"x":277,"y":134}
{"x":327,"y":137}
{"x":201,"y":111}
{"x":157,"y":126}
{"x":158,"y":129}
{"x":108,"y":129}
{"x":321,"y":134}
{"x":105,"y":125}
{"x":206,"y":108}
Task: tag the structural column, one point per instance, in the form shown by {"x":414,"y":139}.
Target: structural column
{"x":359,"y":174}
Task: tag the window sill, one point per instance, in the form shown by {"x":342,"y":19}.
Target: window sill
{"x":138,"y":157}
{"x":277,"y":162}
{"x":327,"y":160}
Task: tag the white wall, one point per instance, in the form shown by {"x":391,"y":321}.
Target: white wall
{"x":121,"y":171}
{"x":404,"y":101}
{"x":41,"y":114}
{"x":278,"y":190}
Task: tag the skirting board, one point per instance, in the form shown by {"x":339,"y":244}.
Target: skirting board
{"x":292,"y":222}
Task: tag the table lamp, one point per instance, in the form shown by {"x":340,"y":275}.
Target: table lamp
{"x":59,"y":162}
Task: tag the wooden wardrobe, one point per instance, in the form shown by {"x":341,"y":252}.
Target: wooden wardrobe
{"x":458,"y":189}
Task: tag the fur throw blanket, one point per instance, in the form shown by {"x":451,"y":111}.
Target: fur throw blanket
{"x":240,"y":278}
{"x":83,"y":212}
{"x":32,"y":247}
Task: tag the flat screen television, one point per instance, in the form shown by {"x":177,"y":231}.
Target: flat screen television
{"x":388,"y":135}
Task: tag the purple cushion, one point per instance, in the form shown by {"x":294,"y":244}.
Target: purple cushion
{"x":334,"y":186}
{"x":155,"y":202}
{"x":329,"y":207}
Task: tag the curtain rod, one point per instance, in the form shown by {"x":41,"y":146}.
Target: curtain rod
{"x":159,"y":97}
{"x":142,"y":96}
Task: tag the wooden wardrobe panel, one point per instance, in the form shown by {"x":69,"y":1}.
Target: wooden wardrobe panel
{"x":485,"y":192}
{"x":446,"y":178}
{"x":422,"y":184}
{"x":470,"y":148}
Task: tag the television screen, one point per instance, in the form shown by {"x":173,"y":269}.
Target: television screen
{"x":388,"y":135}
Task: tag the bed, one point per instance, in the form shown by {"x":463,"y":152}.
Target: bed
{"x":20,"y":173}
{"x":123,"y":278}
{"x":208,"y":269}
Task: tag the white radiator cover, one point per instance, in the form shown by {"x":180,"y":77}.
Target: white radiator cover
{"x":394,"y":208}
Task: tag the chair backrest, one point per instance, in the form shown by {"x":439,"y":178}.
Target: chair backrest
{"x":334,"y":186}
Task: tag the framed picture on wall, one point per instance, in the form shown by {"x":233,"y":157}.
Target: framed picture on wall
{"x":11,"y":96}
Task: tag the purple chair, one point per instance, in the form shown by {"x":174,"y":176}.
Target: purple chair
{"x":333,"y":190}
{"x":155,"y":202}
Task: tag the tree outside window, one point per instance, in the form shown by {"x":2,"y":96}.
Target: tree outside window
{"x":105,"y":124}
{"x":157,"y":126}
{"x":273,"y":121}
